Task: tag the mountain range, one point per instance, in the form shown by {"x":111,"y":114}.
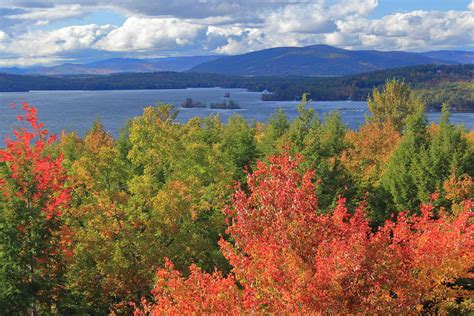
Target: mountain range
{"x":315,"y":60}
{"x":324,"y":60}
{"x":115,"y":65}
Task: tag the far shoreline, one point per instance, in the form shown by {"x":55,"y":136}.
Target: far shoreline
{"x":216,"y":87}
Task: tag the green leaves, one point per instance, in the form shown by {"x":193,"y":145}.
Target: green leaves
{"x":395,"y":103}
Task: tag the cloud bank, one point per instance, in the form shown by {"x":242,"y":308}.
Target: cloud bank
{"x":51,"y":31}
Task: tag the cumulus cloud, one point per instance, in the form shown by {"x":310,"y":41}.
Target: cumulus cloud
{"x":139,"y":34}
{"x":415,"y":30}
{"x":300,"y":18}
{"x":353,"y":7}
{"x":164,"y":27}
{"x":43,"y":16}
{"x":180,"y":9}
{"x":47,"y":43}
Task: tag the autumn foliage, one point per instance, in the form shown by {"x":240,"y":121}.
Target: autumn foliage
{"x":33,"y":197}
{"x":287,"y":257}
{"x":302,"y":216}
{"x":30,"y":175}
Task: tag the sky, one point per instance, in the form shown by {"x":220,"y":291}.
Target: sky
{"x":34,"y":32}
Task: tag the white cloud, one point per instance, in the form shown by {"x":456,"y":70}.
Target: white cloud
{"x":299,"y":18}
{"x":353,"y":7}
{"x":417,"y":30}
{"x":224,"y":26}
{"x":470,"y":6}
{"x":43,"y":16}
{"x":49,"y":43}
{"x":29,"y":61}
{"x":140,"y":34}
{"x":3,"y":36}
{"x":237,"y":40}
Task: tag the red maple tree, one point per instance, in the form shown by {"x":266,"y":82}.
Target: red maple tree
{"x":288,"y":257}
{"x":33,"y":196}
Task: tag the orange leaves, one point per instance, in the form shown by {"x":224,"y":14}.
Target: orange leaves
{"x":289,"y":258}
{"x":30,"y":175}
{"x":200,"y":293}
{"x":33,"y":197}
{"x":370,"y":149}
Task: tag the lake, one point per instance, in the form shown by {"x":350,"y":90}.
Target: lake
{"x":76,"y":110}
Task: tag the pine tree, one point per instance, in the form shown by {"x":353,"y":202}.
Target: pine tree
{"x":399,"y":178}
{"x":448,"y":153}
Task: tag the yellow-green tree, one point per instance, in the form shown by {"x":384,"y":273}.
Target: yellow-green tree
{"x":394,"y":103}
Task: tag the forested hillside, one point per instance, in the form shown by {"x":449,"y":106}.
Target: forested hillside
{"x":314,"y":60}
{"x":451,"y":83}
{"x":303,"y":216}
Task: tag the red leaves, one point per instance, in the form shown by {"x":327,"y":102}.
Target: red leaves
{"x":31,"y":176}
{"x":199,"y":293}
{"x":33,"y":197}
{"x":289,"y":258}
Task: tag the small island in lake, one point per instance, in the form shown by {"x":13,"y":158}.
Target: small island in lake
{"x":189,"y":103}
{"x":226,"y":105}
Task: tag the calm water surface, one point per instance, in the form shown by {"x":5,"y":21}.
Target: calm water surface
{"x":76,"y":110}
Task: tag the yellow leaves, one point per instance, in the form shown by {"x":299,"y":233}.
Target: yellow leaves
{"x":370,"y":149}
{"x":172,"y":202}
{"x":98,"y":138}
{"x":259,"y":132}
{"x":457,"y":190}
{"x":393,"y":104}
{"x":470,"y":138}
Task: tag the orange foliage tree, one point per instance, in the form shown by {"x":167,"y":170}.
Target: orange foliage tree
{"x":370,"y":149}
{"x":288,"y":257}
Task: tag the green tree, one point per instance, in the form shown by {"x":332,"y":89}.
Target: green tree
{"x":395,"y":103}
{"x":448,"y":153}
{"x":239,"y":146}
{"x":300,"y":126}
{"x":322,"y":148}
{"x":399,"y":178}
{"x":274,"y":133}
{"x":423,"y":161}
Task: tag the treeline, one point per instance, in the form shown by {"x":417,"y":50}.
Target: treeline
{"x":357,"y":87}
{"x":318,"y":224}
{"x":459,"y":95}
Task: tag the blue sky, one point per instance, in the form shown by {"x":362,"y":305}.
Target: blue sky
{"x":392,"y":6}
{"x":50,"y":32}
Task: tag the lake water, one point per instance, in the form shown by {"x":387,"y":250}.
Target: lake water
{"x":76,"y":110}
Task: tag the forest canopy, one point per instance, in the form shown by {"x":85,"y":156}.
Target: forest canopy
{"x":287,"y":216}
{"x":436,"y":83}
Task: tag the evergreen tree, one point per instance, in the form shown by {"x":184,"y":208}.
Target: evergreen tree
{"x":399,"y":178}
{"x":274,"y":134}
{"x":300,"y":126}
{"x":321,"y":151}
{"x":448,"y":153}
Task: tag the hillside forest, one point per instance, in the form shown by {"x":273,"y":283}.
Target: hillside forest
{"x":280,"y":217}
{"x":434,"y":84}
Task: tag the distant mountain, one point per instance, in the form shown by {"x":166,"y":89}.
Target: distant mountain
{"x":115,"y":65}
{"x":459,"y":56}
{"x":316,"y":60}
